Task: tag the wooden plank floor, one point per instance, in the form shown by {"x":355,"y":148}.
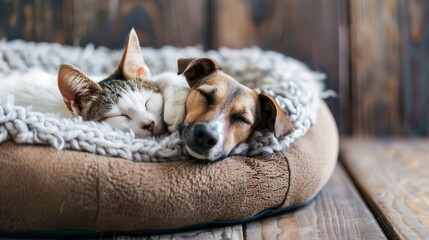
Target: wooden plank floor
{"x":230,"y":232}
{"x":393,"y":176}
{"x":388,"y":179}
{"x":338,"y":212}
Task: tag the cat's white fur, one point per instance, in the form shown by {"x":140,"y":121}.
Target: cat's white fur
{"x":174,"y":89}
{"x":35,"y":88}
{"x":134,"y":110}
{"x":39,"y":89}
{"x":142,"y":107}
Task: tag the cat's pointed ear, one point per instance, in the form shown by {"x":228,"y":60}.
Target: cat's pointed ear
{"x":195,"y":69}
{"x":77,"y":89}
{"x":132,"y":65}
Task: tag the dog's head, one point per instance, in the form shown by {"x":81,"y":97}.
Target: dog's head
{"x":222,"y":113}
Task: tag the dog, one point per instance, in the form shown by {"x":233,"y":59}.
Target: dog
{"x":221,"y":113}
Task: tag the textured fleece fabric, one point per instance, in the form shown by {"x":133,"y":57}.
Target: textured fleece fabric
{"x":44,"y":189}
{"x":296,"y":88}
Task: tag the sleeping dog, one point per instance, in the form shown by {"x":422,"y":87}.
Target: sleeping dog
{"x":221,"y":113}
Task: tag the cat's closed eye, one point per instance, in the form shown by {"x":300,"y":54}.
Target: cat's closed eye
{"x":122,"y":115}
{"x":151,"y":105}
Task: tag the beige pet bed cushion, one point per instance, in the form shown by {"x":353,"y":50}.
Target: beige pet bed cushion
{"x":52,"y":192}
{"x":45,"y":191}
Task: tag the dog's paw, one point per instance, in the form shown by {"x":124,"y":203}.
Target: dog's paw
{"x":174,"y":108}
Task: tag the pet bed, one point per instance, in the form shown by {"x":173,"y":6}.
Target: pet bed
{"x":47,"y":190}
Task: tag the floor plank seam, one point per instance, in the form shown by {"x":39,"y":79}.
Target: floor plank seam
{"x":378,"y":214}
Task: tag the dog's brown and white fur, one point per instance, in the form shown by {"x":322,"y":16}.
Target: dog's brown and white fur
{"x":222,"y":113}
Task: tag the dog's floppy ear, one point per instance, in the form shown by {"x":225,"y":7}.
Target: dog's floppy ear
{"x":195,"y":69}
{"x":132,"y":65}
{"x":77,"y":89}
{"x":273,"y":117}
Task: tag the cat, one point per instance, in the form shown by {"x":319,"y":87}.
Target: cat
{"x":128,"y":99}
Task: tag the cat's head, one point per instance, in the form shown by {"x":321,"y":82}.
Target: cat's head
{"x":126,"y":99}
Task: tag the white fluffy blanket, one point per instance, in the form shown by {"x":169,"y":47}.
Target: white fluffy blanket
{"x":296,"y":88}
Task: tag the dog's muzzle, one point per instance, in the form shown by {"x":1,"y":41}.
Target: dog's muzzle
{"x":205,"y":136}
{"x":203,"y":141}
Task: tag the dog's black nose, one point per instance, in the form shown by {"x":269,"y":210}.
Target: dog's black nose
{"x":204,"y":136}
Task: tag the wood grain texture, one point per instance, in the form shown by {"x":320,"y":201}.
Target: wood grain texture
{"x":304,"y":29}
{"x":375,"y":68}
{"x":337,"y":213}
{"x":345,"y":121}
{"x":414,"y":15}
{"x":393,"y":176}
{"x":230,"y":232}
{"x":33,"y":20}
{"x":389,"y":67}
{"x":157,"y":23}
{"x":106,"y":23}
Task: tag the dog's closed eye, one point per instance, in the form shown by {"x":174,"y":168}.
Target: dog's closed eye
{"x":241,"y":117}
{"x":238,"y":118}
{"x":209,"y":96}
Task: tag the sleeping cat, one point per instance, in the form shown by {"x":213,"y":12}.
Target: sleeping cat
{"x":128,"y":99}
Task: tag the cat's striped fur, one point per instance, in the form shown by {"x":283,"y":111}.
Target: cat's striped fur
{"x":130,"y":97}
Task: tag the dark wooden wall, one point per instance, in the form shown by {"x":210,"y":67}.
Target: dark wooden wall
{"x":304,"y":29}
{"x":375,"y":52}
{"x":104,"y":22}
{"x":389,"y":67}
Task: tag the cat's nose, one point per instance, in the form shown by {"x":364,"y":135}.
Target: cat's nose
{"x":148,"y":126}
